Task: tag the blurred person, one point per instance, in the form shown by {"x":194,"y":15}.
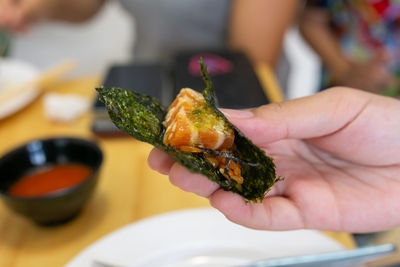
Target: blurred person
{"x":167,"y":26}
{"x":338,"y":152}
{"x":357,"y":41}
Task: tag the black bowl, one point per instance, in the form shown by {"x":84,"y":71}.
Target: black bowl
{"x":58,"y":206}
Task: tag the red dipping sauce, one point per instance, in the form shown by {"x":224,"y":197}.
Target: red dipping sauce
{"x":47,"y":180}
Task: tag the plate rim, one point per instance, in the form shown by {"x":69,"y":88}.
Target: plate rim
{"x":88,"y":254}
{"x":20,"y":101}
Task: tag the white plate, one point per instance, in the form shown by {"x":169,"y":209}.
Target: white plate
{"x":12,"y":74}
{"x":197,"y":237}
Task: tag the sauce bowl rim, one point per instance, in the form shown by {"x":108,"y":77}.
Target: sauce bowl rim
{"x":64,"y":191}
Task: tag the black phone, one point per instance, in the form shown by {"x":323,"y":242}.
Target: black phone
{"x":235,"y":82}
{"x":143,"y":78}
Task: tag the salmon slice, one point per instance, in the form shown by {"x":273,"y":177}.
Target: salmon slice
{"x":190,"y":123}
{"x":231,"y":171}
{"x":192,"y":126}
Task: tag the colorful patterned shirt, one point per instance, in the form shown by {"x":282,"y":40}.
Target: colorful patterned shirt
{"x":365,"y":26}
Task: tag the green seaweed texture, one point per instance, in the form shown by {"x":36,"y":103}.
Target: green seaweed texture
{"x":142,"y":116}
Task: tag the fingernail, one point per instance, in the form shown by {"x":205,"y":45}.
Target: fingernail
{"x":237,"y":114}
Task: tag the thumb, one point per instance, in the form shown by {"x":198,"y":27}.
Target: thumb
{"x":304,"y":118}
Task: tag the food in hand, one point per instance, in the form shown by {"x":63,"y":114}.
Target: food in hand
{"x":196,"y":134}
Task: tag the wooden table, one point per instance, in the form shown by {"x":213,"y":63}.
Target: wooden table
{"x":127,"y":191}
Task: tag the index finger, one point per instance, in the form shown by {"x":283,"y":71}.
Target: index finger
{"x":192,"y":182}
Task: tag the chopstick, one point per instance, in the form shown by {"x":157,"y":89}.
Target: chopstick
{"x":270,"y":84}
{"x":4,"y":43}
{"x":44,"y":81}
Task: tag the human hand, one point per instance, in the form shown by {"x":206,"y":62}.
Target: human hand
{"x":372,"y":75}
{"x":18,"y":15}
{"x":338,"y":152}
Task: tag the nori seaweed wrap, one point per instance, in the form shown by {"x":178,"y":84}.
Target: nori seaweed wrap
{"x":143,"y":117}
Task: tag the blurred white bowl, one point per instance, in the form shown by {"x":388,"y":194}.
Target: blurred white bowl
{"x":12,"y":74}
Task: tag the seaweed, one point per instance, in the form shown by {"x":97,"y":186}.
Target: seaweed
{"x":139,"y":115}
{"x":142,"y":116}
